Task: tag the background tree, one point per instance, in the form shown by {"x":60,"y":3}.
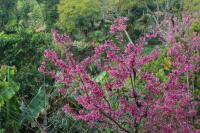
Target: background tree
{"x":75,"y":14}
{"x":8,"y":18}
{"x":50,"y":12}
{"x":30,"y":14}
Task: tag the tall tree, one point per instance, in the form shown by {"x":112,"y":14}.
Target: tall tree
{"x":76,"y":13}
{"x":30,"y":14}
{"x":7,"y":14}
{"x":50,"y":12}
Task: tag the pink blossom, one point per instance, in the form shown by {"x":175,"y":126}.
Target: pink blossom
{"x":170,"y":37}
{"x":42,"y":67}
{"x":61,"y":39}
{"x":62,"y":91}
{"x":151,"y":36}
{"x":119,"y":25}
{"x":128,"y":95}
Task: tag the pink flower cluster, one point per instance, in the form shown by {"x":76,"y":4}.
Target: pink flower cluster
{"x":119,"y":25}
{"x":159,"y":107}
{"x":61,"y":39}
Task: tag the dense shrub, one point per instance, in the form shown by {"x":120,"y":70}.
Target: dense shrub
{"x":24,"y":50}
{"x":9,"y":106}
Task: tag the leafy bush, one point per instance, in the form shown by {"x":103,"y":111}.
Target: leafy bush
{"x":195,"y":27}
{"x":8,"y":87}
{"x":24,"y":50}
{"x":9,"y":106}
{"x":76,"y":13}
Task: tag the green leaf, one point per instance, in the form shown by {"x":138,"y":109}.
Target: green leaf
{"x":2,"y":131}
{"x":161,"y":75}
{"x":36,"y":106}
{"x":114,"y":103}
{"x":12,"y":71}
{"x":7,"y":91}
{"x":3,"y":72}
{"x":101,"y":77}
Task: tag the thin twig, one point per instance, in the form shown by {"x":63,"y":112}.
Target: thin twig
{"x":114,"y":121}
{"x":134,"y":92}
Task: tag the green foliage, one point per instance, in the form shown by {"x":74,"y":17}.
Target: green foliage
{"x":8,"y":15}
{"x":24,"y":50}
{"x":197,"y":85}
{"x":30,"y":14}
{"x":2,"y":131}
{"x":9,"y":107}
{"x":64,"y":123}
{"x":8,"y":90}
{"x":97,"y":36}
{"x":81,"y":44}
{"x":82,"y":49}
{"x":102,"y":78}
{"x":108,"y":130}
{"x":195,"y":27}
{"x":50,"y":12}
{"x":10,"y":116}
{"x":8,"y":87}
{"x":160,"y":66}
{"x":76,"y":13}
{"x":121,"y":5}
{"x":36,"y":106}
{"x":192,"y":5}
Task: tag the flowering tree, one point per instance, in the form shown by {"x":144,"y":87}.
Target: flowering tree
{"x":157,"y":107}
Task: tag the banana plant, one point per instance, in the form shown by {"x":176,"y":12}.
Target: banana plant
{"x":36,"y":106}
